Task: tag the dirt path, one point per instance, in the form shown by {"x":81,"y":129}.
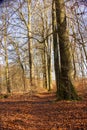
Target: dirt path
{"x":40,"y":112}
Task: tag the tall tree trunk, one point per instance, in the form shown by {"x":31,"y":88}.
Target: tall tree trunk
{"x":44,"y":67}
{"x":45,"y":78}
{"x":66,"y":89}
{"x":7,"y":68}
{"x":55,"y":48}
{"x":49,"y":64}
{"x":6,"y":55}
{"x":21,"y":65}
{"x":29,"y":41}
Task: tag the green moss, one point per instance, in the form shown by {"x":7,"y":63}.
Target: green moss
{"x":67,"y":92}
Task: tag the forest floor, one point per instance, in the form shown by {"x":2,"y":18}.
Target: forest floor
{"x":40,"y":111}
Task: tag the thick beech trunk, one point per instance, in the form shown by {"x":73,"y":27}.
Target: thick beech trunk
{"x":66,"y":89}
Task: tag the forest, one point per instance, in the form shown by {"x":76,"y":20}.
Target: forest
{"x":43,"y":65}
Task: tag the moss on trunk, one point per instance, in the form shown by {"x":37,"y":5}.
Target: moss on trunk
{"x":66,"y":90}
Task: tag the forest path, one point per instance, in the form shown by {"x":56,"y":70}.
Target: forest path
{"x":39,"y":111}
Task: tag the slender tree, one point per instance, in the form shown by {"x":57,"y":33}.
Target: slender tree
{"x":6,"y":53}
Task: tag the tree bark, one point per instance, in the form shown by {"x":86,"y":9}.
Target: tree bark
{"x":66,"y":89}
{"x":55,"y":48}
{"x":6,"y":56}
{"x":29,"y":41}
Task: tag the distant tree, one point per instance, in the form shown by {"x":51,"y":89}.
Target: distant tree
{"x":5,"y":45}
